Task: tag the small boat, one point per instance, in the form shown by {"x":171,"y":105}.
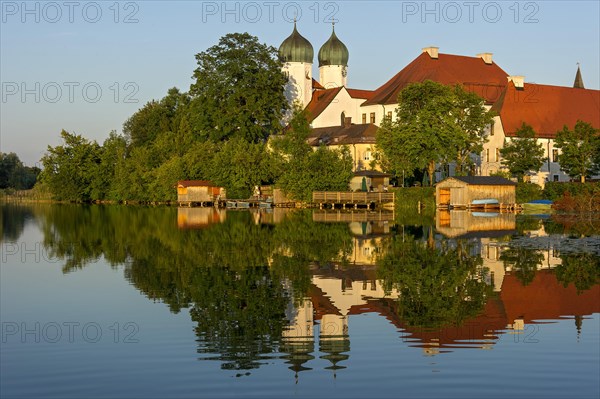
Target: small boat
{"x":242,"y":204}
{"x":265,"y":204}
{"x":231,"y":204}
{"x":485,"y":201}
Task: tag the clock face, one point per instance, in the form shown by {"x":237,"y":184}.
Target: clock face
{"x":344,"y":71}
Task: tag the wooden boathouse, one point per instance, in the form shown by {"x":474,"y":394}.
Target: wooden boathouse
{"x":472,"y":192}
{"x":199,"y":192}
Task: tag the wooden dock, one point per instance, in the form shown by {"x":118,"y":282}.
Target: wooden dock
{"x":350,"y":216}
{"x":350,"y":199}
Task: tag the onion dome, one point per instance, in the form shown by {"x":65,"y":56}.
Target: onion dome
{"x":296,"y":48}
{"x":333,"y":52}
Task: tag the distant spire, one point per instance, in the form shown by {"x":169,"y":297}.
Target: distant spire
{"x":578,"y":84}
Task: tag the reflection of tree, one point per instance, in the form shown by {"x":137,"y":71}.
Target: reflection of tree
{"x":528,"y":223}
{"x":239,"y":314}
{"x":437,"y":287}
{"x":236,"y":277}
{"x":13,"y":220}
{"x":523,"y":261}
{"x":583,"y":270}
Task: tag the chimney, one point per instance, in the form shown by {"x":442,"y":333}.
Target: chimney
{"x":432,"y":51}
{"x":518,"y":81}
{"x":347,"y":121}
{"x":486,"y":57}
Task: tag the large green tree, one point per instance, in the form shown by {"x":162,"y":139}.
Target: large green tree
{"x":580,"y":149}
{"x":302,"y":170}
{"x":70,"y":169}
{"x":523,"y":153}
{"x":434,"y":124}
{"x":238,"y":90}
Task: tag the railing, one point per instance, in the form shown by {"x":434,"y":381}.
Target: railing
{"x":349,"y":197}
{"x":349,"y":217}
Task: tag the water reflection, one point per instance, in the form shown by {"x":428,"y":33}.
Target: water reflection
{"x":265,"y":284}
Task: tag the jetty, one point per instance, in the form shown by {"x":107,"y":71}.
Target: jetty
{"x":353,"y":199}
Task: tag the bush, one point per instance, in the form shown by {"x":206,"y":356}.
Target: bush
{"x":528,"y":192}
{"x":556,"y":190}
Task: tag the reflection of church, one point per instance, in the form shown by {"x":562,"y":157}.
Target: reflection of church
{"x":339,"y":292}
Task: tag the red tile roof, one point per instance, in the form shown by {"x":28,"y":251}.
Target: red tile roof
{"x":316,"y":85}
{"x":487,"y":80}
{"x":358,"y":93}
{"x":341,"y":135}
{"x":195,"y":183}
{"x":547,"y":108}
{"x":320,"y":101}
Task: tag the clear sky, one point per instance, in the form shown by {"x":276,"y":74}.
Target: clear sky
{"x":86,"y":66}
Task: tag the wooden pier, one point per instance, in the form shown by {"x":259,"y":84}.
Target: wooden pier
{"x":350,"y":199}
{"x":350,"y":216}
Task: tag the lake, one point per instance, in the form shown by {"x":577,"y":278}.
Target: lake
{"x":117,"y":301}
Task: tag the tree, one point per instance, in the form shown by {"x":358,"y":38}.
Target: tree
{"x":580,"y":150}
{"x":434,"y":124}
{"x":70,"y":169}
{"x":472,"y":117}
{"x":523,"y":154}
{"x":13,"y":174}
{"x":303,"y":170}
{"x":238,"y":90}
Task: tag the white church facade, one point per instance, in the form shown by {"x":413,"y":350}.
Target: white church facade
{"x":336,"y":111}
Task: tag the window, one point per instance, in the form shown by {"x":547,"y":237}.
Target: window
{"x":389,"y":115}
{"x":372,"y":117}
{"x":364,"y":118}
{"x":367,"y":156}
{"x":492,"y":125}
{"x":555,"y":177}
{"x":497,"y":154}
{"x":554,"y":155}
{"x":487,"y":155}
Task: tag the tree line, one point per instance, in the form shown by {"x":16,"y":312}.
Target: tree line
{"x":14,"y":174}
{"x":228,"y":129}
{"x":219,"y":131}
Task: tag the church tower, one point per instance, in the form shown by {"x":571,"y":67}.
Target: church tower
{"x":578,"y":84}
{"x":333,"y":62}
{"x":297,"y":55}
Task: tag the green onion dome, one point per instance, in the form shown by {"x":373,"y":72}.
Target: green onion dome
{"x":333,"y":52}
{"x":296,"y":48}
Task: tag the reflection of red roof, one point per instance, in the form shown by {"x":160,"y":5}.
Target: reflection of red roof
{"x":194,"y":183}
{"x":320,"y":101}
{"x":486,"y":80}
{"x":547,"y":108}
{"x":546,"y":298}
{"x":322,"y":304}
{"x":357,"y":93}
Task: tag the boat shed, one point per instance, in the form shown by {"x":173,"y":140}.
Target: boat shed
{"x":475,"y":191}
{"x":198,"y":191}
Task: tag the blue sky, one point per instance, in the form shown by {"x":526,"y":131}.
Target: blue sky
{"x":86,"y":66}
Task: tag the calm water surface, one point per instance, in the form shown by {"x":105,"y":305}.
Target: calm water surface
{"x":163,"y":302}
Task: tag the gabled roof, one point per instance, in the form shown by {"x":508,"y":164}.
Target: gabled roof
{"x":341,"y":135}
{"x":358,"y":93}
{"x":547,"y":108}
{"x":486,"y":80}
{"x":320,"y":101}
{"x":195,"y":183}
{"x":484,"y":180}
{"x":316,"y":85}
